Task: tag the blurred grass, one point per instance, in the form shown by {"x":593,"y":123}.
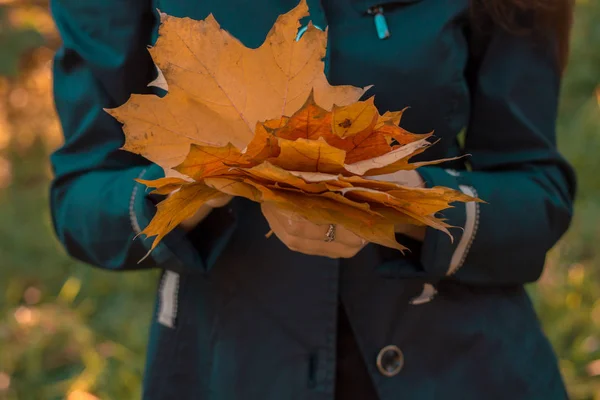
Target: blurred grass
{"x":64,"y":332}
{"x":71,"y":331}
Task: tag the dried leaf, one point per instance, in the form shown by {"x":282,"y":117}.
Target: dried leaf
{"x":234,"y":187}
{"x":366,"y":167}
{"x":219,"y":89}
{"x":309,"y":156}
{"x":309,"y":122}
{"x":403,"y":164}
{"x":203,"y":161}
{"x":263,"y":145}
{"x":313,"y":122}
{"x":272,"y":173}
{"x":363,"y":146}
{"x":399,"y":136}
{"x":418,"y":212}
{"x":178,"y":207}
{"x":316,"y":176}
{"x":390,"y":117}
{"x":354,"y":118}
{"x":163,"y":186}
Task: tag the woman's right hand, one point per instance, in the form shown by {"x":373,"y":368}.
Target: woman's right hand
{"x":203,"y":211}
{"x":303,"y":236}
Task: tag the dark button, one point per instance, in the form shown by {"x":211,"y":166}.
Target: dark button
{"x":390,"y":360}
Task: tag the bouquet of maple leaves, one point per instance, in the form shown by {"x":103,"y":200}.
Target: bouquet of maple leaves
{"x":266,"y":125}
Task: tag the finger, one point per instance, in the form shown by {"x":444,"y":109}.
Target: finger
{"x":323,"y":249}
{"x":405,"y":178}
{"x":279,"y":225}
{"x":307,"y":246}
{"x":291,"y":223}
{"x":317,"y":247}
{"x":194,"y":220}
{"x":343,"y":235}
{"x":296,"y":226}
{"x":220,"y":201}
{"x":315,"y":232}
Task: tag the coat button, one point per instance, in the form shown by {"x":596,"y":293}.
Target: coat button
{"x":390,"y":360}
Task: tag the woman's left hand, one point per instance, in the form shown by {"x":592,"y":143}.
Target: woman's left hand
{"x":406,"y":178}
{"x":305,"y":237}
{"x":301,"y":235}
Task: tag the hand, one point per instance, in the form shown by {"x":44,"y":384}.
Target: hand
{"x":203,"y":211}
{"x":406,"y":178}
{"x":303,"y":236}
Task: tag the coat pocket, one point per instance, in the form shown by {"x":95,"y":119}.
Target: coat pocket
{"x":173,"y":361}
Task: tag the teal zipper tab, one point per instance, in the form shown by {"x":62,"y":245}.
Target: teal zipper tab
{"x":381,"y":26}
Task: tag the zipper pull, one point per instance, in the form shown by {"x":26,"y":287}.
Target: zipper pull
{"x":381,"y":25}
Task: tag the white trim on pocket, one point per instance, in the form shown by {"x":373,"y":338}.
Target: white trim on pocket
{"x":471,"y":225}
{"x":168,"y":299}
{"x":428,"y":293}
{"x":453,"y":172}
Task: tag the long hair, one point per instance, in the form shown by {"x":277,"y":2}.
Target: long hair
{"x":549,"y":17}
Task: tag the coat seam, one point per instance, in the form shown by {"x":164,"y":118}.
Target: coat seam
{"x":135,"y":224}
{"x":464,"y":246}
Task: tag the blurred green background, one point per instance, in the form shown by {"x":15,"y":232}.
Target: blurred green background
{"x":68,"y":331}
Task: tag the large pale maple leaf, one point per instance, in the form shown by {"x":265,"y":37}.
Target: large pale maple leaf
{"x":266,"y":125}
{"x":218,"y":89}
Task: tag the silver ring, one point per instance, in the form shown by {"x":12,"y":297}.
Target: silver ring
{"x":330,"y":235}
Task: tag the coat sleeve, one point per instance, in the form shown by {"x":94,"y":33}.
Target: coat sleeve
{"x":97,"y":208}
{"x":515,"y":167}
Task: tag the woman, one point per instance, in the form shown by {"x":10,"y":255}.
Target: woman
{"x":240,"y":316}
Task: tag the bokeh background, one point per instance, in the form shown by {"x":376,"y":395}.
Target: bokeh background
{"x":68,"y":331}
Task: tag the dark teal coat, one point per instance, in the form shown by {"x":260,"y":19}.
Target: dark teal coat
{"x":242,"y":317}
